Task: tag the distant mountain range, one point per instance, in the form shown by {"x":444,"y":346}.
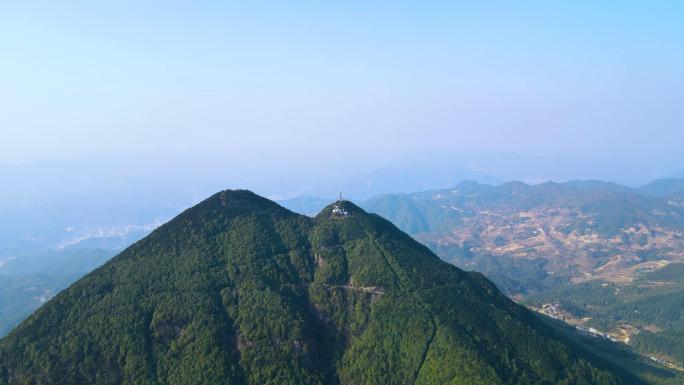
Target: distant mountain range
{"x":55,"y":203}
{"x":401,"y":179}
{"x":531,"y":234}
{"x":110,"y":201}
{"x":77,"y":223}
{"x":240,"y":290}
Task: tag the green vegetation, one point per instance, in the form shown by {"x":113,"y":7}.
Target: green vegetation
{"x":618,"y":354}
{"x":239,"y":290}
{"x":653,"y":302}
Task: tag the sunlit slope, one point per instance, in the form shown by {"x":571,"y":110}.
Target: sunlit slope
{"x":239,"y":290}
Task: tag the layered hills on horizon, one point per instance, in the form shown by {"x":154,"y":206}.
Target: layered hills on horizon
{"x":575,"y":230}
{"x":241,"y":290}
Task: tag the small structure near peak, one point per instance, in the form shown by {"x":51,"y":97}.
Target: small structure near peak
{"x":338,"y":210}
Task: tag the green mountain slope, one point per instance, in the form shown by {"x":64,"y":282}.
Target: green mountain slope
{"x":238,"y":290}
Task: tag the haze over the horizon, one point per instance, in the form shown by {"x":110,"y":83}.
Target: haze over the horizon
{"x":579,"y":79}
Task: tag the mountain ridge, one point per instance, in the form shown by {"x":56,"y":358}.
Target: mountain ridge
{"x":240,"y":290}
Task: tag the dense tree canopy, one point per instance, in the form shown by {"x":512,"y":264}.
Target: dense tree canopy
{"x":238,"y":290}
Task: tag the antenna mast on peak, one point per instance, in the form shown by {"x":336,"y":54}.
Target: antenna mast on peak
{"x":340,"y":195}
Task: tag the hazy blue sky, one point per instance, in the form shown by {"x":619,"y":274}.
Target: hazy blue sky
{"x":532,"y":77}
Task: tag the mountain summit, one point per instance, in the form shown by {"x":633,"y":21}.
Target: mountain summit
{"x":238,"y":290}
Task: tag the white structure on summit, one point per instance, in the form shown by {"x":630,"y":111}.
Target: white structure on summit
{"x":337,"y":209}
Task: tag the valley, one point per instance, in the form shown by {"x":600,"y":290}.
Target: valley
{"x":29,"y":281}
{"x":564,"y":239}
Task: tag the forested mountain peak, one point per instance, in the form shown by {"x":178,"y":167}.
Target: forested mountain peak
{"x":239,"y":290}
{"x":340,"y":208}
{"x":238,"y":202}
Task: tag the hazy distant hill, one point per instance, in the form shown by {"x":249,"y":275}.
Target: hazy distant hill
{"x":28,"y":282}
{"x":111,"y":201}
{"x":404,"y":178}
{"x":664,"y":187}
{"x":77,"y":222}
{"x":240,"y":290}
{"x":535,"y":233}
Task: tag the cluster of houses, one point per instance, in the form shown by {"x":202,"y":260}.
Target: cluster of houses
{"x":596,"y":333}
